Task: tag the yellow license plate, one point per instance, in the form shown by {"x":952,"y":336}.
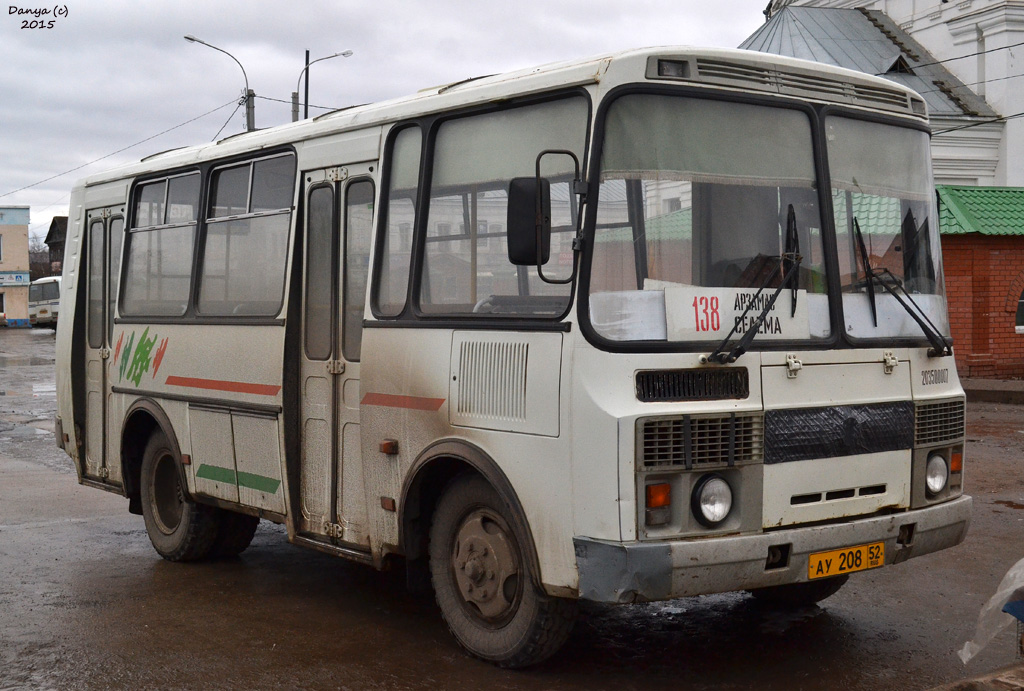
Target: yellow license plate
{"x":847,"y":560}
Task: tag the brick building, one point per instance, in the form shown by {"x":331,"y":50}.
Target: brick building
{"x":14,"y":269}
{"x":983,"y":253}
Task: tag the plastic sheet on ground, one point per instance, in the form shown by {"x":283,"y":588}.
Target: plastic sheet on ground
{"x":998,"y":613}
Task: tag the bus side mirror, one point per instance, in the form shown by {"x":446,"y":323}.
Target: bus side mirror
{"x":529,"y":221}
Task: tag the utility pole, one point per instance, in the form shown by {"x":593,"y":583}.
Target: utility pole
{"x":305,"y":71}
{"x":305,"y":107}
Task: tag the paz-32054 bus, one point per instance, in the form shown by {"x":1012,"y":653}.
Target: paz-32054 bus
{"x":656,"y":324}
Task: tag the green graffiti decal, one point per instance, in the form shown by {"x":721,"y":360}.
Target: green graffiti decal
{"x":126,"y":356}
{"x":141,"y":359}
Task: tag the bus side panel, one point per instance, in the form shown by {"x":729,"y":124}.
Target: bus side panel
{"x":407,"y":396}
{"x":225,"y":384}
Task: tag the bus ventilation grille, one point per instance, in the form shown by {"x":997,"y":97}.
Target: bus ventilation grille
{"x":692,"y":385}
{"x":795,"y":82}
{"x":701,"y":441}
{"x":939,"y":422}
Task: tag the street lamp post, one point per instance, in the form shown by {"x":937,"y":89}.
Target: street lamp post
{"x":249,"y":95}
{"x":305,"y":71}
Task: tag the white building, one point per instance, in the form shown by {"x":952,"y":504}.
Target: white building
{"x":979,"y":42}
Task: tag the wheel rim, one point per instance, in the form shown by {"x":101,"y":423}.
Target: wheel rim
{"x":168,"y":501}
{"x":486,"y":566}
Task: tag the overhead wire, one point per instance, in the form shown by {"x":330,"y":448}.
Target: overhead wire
{"x":281,"y":100}
{"x":959,"y":57}
{"x":980,"y":123}
{"x":114,"y":153}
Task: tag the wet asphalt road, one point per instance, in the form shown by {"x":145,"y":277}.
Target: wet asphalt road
{"x":86,"y":603}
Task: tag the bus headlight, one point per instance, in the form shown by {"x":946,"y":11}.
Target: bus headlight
{"x":711,"y":500}
{"x":936,"y":474}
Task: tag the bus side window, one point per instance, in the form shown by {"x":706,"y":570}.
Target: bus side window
{"x":158,"y":261}
{"x":246,"y":243}
{"x":467,"y":271}
{"x":392,"y":276}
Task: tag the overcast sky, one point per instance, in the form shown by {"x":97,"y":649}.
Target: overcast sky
{"x":109,"y":75}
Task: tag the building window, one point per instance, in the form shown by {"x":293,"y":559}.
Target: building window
{"x":1020,"y":314}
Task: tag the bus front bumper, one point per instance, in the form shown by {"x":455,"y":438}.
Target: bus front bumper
{"x":647,"y":571}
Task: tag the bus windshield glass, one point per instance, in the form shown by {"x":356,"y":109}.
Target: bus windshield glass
{"x":885,"y":223}
{"x":707,"y":209}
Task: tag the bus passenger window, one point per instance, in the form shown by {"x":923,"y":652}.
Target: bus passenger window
{"x":158,"y":263}
{"x":246,"y":245}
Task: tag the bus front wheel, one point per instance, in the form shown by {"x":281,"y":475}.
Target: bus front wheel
{"x":483,"y":583}
{"x":179,"y":529}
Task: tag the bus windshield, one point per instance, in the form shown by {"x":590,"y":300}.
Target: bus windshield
{"x":884,"y":206}
{"x":699,"y":203}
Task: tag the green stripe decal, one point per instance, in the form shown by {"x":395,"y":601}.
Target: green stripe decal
{"x":216,"y":473}
{"x":259,"y":483}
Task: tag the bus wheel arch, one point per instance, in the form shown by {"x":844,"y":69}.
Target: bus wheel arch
{"x":144,"y":418}
{"x":428,"y":478}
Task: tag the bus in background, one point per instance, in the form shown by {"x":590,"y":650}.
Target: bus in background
{"x":655,"y":324}
{"x":44,"y":301}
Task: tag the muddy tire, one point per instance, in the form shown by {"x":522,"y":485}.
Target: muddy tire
{"x":483,"y":582}
{"x":800,"y":594}
{"x":234,"y":534}
{"x":179,"y":529}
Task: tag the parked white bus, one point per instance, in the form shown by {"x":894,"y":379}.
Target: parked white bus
{"x":656,"y":324}
{"x":44,"y":301}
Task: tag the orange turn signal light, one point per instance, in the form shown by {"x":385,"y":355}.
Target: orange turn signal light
{"x":956,"y":463}
{"x":659,"y":495}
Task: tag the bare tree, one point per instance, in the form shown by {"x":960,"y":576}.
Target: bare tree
{"x":38,"y":258}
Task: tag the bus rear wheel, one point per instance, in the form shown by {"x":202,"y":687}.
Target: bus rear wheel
{"x":179,"y":529}
{"x":235,"y":532}
{"x":484,"y":584}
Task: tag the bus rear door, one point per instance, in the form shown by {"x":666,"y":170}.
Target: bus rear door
{"x":105,"y":230}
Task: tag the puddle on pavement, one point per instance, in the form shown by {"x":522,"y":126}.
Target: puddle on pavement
{"x":24,"y":361}
{"x":1009,"y":504}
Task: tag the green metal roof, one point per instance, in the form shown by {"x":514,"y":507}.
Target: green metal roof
{"x":984,"y":210}
{"x":677,"y":225}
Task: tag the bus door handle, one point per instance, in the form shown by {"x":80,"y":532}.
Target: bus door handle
{"x":104,"y":353}
{"x":336,"y":367}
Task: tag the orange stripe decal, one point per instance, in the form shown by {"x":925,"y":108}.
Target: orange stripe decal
{"x":407,"y":402}
{"x":219,"y":385}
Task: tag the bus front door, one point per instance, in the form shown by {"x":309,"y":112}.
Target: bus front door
{"x":338,"y":219}
{"x":105,"y":231}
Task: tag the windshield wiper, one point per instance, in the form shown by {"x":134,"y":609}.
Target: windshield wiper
{"x":940,"y":344}
{"x":793,"y":249}
{"x":789,"y":265}
{"x":791,"y":262}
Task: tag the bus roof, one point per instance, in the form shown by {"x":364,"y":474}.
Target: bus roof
{"x":738,"y":70}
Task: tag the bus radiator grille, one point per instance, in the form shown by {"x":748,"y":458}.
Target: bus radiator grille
{"x":939,"y":422}
{"x":701,"y":441}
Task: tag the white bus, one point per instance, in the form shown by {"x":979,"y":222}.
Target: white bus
{"x":44,"y":301}
{"x":656,"y":324}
